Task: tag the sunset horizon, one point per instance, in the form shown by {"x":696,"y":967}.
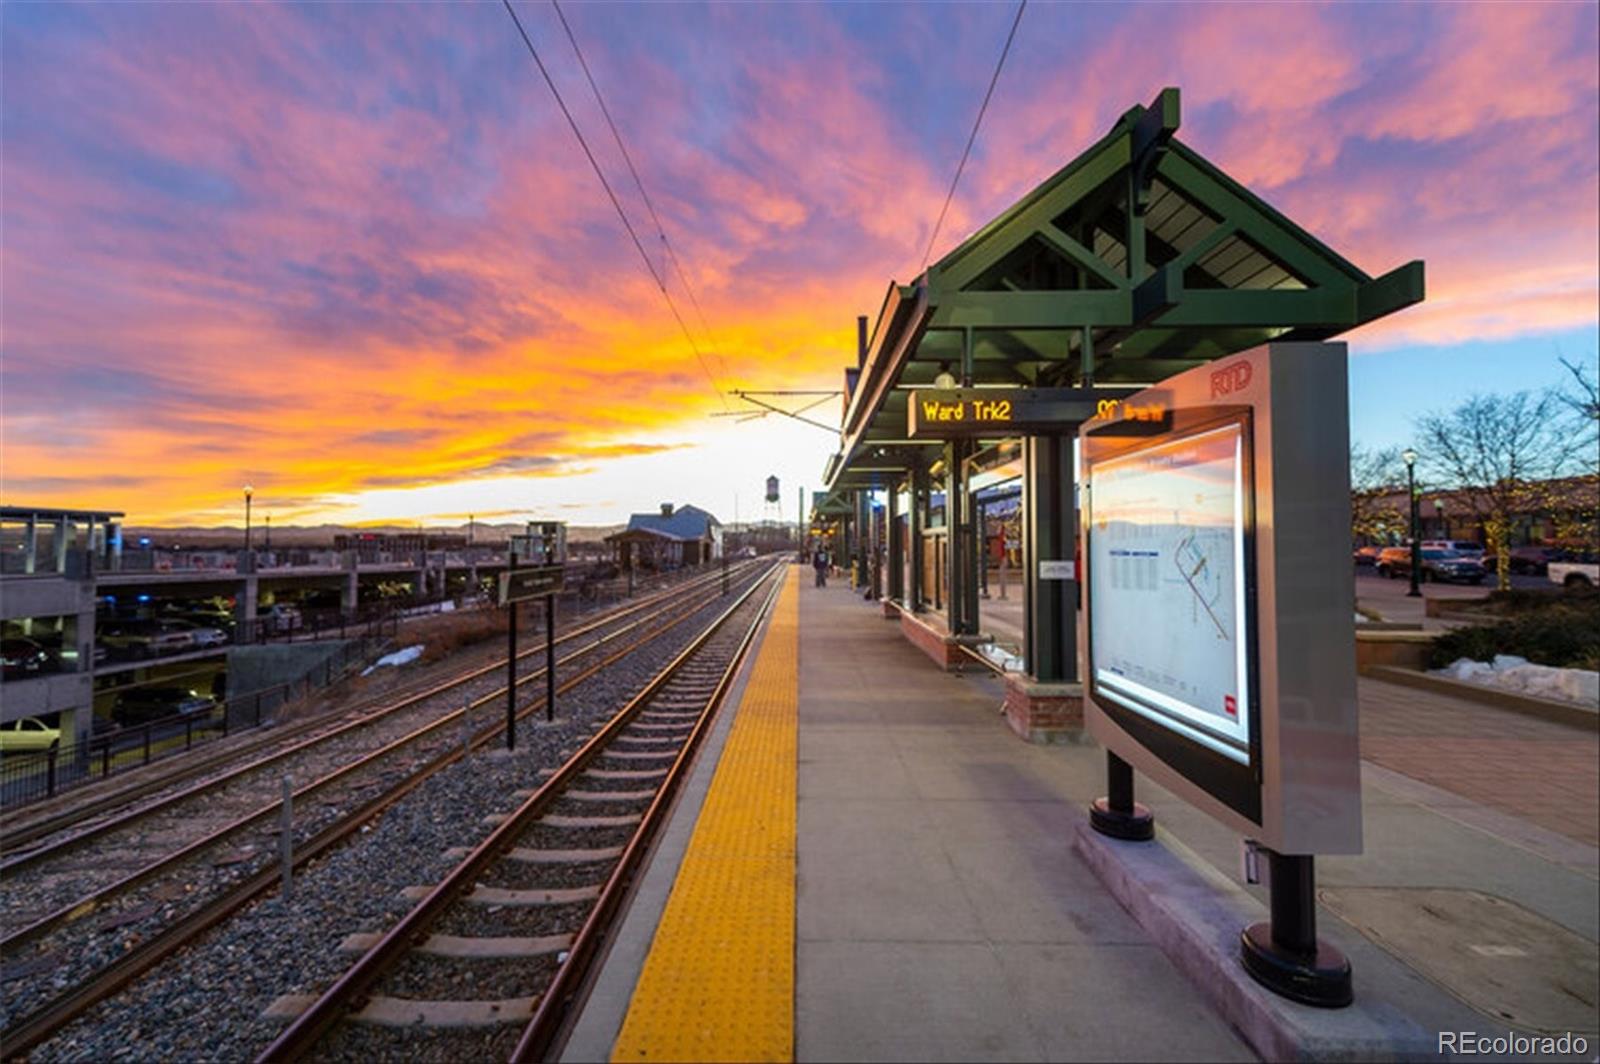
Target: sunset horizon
{"x":355,"y":258}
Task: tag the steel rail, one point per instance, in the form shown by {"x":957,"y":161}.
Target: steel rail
{"x":46,"y":1021}
{"x":89,"y":903}
{"x":558,"y":1004}
{"x":19,"y":838}
{"x":307,"y":1029}
{"x":367,"y":716}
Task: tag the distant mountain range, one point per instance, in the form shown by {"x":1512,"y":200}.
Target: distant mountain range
{"x":322,"y":535}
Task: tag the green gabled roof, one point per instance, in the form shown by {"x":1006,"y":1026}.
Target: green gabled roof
{"x":1135,"y":261}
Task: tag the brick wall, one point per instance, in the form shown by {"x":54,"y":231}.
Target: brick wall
{"x":1044,"y":713}
{"x":931,"y":641}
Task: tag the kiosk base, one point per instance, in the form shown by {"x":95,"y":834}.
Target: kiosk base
{"x":1135,"y":825}
{"x":1117,"y":814}
{"x":1284,"y":954}
{"x":1321,"y":978}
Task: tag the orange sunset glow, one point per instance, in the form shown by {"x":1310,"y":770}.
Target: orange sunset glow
{"x":355,"y":256}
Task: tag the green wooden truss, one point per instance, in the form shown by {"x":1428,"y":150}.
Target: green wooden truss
{"x":1137,"y":260}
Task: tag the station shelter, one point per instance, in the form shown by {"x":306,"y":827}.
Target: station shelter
{"x":1136,"y":261}
{"x":671,"y":539}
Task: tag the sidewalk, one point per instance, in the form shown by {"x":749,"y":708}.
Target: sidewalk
{"x":942,"y":913}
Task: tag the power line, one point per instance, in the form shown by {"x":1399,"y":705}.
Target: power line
{"x":672,"y":256}
{"x":616,"y":203}
{"x":973,"y":137}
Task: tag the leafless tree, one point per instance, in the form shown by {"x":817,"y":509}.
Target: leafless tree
{"x":1581,"y":398}
{"x":1494,"y":451}
{"x":1582,"y":394}
{"x":1377,"y":492}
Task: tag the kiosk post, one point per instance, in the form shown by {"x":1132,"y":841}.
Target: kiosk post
{"x":1117,"y":814}
{"x":1284,"y":953}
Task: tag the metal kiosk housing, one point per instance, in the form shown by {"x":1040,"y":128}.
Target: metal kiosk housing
{"x":1300,"y":793}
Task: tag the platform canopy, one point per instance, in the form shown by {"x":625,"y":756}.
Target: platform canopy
{"x":1137,"y":260}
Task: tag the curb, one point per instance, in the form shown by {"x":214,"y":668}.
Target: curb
{"x":1567,"y":713}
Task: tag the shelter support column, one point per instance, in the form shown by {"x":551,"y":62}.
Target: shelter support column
{"x":897,"y":550}
{"x":963,"y":553}
{"x":863,"y":524}
{"x":939,"y":641}
{"x":919,"y":498}
{"x":1046,"y":703}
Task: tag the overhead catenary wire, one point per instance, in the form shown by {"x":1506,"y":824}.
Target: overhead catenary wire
{"x":972,"y":138}
{"x":615,"y":203}
{"x":627,"y":157}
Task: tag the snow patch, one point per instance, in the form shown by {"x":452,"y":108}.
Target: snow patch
{"x":399,"y":657}
{"x":1511,"y":673}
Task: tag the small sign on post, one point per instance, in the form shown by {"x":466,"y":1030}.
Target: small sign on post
{"x":520,"y":585}
{"x":1058,"y":571}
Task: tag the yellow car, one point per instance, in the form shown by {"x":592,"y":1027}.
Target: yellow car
{"x":29,"y":733}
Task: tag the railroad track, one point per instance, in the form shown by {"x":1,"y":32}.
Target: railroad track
{"x":75,"y":813}
{"x":168,"y":901}
{"x":492,"y":959}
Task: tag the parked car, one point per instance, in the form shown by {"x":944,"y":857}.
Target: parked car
{"x":1575,"y":569}
{"x":1528,"y":560}
{"x":27,"y":734}
{"x":1461,"y":546}
{"x":1450,"y":566}
{"x":281,"y":618}
{"x":202,"y":636}
{"x":1367,"y":555}
{"x":1394,"y":562}
{"x":145,"y":704}
{"x":146,"y":639}
{"x":24,"y":658}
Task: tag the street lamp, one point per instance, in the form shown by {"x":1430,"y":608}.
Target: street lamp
{"x":248,"y":491}
{"x":1411,"y":491}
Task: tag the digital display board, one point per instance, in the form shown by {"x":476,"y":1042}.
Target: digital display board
{"x":1168,"y":625}
{"x":956,"y":413}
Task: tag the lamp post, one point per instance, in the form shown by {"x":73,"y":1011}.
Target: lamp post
{"x":248,"y":491}
{"x":1416,"y":548}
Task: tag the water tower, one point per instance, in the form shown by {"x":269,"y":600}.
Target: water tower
{"x":772,"y":517}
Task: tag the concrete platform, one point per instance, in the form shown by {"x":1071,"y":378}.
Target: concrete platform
{"x":942,"y":913}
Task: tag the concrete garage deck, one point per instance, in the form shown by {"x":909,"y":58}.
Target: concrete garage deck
{"x":941,"y":912}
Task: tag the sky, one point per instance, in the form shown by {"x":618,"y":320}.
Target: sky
{"x":353,"y":255}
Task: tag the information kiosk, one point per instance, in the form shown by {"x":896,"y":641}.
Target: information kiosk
{"x":1219,"y":643}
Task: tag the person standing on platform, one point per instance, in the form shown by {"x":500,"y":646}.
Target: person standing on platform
{"x":819,"y":562}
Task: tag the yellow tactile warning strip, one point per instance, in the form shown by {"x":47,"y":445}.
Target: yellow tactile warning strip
{"x":718,"y":984}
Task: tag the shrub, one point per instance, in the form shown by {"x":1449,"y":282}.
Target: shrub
{"x":1526,"y":600}
{"x":445,"y":633}
{"x":1564,"y":635}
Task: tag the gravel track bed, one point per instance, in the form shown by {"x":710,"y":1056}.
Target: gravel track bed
{"x":520,"y":875}
{"x":213,"y":993}
{"x":569,"y":807}
{"x":512,"y":920}
{"x":543,"y":837}
{"x":426,"y":978}
{"x":380,"y":1045}
{"x":73,"y":952}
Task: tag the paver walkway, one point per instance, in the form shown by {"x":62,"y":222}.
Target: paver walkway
{"x":1536,"y":769}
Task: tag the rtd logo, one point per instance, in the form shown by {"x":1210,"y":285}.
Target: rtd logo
{"x":1229,"y":379}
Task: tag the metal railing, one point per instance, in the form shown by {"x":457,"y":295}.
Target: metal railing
{"x":28,"y":777}
{"x":31,"y":776}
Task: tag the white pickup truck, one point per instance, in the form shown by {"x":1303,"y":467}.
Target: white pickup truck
{"x":1575,"y":573}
